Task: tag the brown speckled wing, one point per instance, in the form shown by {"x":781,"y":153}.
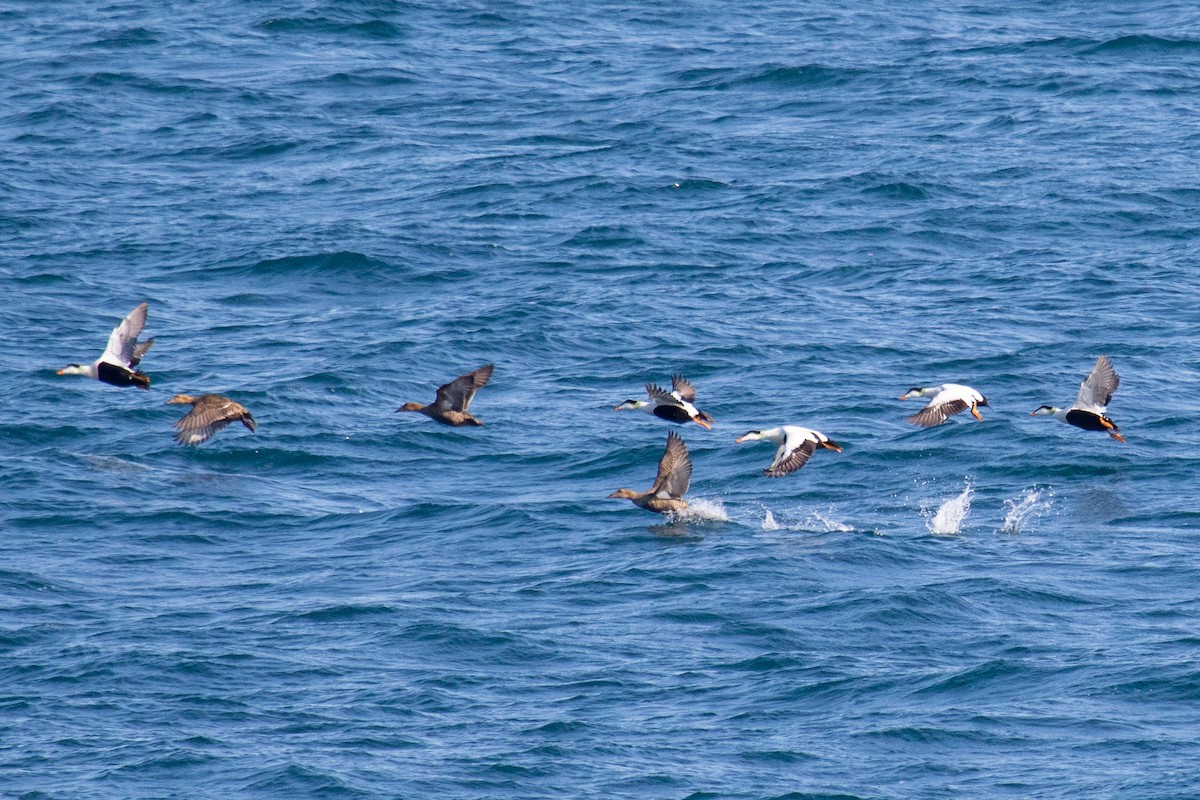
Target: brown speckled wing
{"x":785,"y":465}
{"x":209,"y":414}
{"x":932,"y":414}
{"x":674,"y":469}
{"x":458,"y":393}
{"x":684,"y":388}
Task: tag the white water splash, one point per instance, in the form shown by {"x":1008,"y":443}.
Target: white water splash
{"x":815,"y":521}
{"x":818,"y":521}
{"x":704,"y":511}
{"x":950,"y":515}
{"x":1026,"y":508}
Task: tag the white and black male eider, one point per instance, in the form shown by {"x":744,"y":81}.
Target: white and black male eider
{"x":675,"y":406}
{"x":946,"y":401}
{"x":671,"y":483}
{"x":1095,"y":393}
{"x":117,"y":364}
{"x":796,"y":446}
{"x":210,"y":413}
{"x":450,"y":405}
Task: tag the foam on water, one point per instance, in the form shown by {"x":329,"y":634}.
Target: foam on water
{"x":1032,"y":503}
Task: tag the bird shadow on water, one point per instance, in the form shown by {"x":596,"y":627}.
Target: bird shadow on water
{"x":676,"y":530}
{"x":1100,"y":505}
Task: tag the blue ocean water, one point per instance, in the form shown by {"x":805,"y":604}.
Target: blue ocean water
{"x":334,"y":208}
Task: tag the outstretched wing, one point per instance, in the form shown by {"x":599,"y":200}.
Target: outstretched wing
{"x":458,"y":393}
{"x":123,"y":339}
{"x":674,"y":469}
{"x":788,"y":462}
{"x":206,"y":418}
{"x":937,"y":412}
{"x":661,"y":395}
{"x":683,"y":388}
{"x":139,"y":351}
{"x":1096,"y":392}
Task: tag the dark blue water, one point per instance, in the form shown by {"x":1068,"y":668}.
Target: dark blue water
{"x":332,"y":209}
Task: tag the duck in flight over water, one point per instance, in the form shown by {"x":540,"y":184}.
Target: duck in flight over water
{"x":209,"y":414}
{"x":796,"y":446}
{"x":675,"y":406}
{"x":947,"y":400}
{"x":450,"y":406}
{"x":671,"y":483}
{"x":1095,"y":393}
{"x":116,"y":366}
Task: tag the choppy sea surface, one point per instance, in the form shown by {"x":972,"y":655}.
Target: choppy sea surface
{"x":805,"y":209}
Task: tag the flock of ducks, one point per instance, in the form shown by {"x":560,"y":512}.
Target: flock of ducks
{"x":117,"y":366}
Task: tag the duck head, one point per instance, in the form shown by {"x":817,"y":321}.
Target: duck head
{"x":629,"y":405}
{"x":1043,"y":411}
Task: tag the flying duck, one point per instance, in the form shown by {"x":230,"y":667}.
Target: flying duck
{"x":675,"y":406}
{"x":796,"y":446}
{"x":674,"y":475}
{"x":1095,"y":393}
{"x":947,"y":400}
{"x":450,"y":406}
{"x":210,"y":413}
{"x":117,"y":364}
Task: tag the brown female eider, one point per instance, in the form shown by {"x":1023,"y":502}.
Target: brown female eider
{"x":123,"y":353}
{"x":450,"y":406}
{"x":674,"y":475}
{"x":1095,"y":393}
{"x":675,"y":406}
{"x":210,"y":413}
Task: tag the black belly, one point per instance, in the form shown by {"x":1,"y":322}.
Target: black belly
{"x":672,"y":414}
{"x":119,"y":376}
{"x":1089,"y":421}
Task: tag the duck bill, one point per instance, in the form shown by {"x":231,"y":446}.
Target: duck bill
{"x":740,"y":439}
